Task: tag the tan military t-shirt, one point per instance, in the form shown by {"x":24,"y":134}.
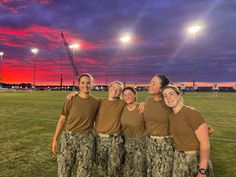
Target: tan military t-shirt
{"x":183,"y":126}
{"x":156,"y":117}
{"x":132,"y":123}
{"x":80,"y":113}
{"x":108,"y":118}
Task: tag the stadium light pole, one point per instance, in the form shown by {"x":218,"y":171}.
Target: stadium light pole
{"x":193,"y":30}
{"x":61,"y":81}
{"x":34,"y":51}
{"x":1,"y":54}
{"x":74,"y":47}
{"x":125,"y":39}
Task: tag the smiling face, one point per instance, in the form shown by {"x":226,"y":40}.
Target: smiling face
{"x":115,"y":90}
{"x":85,"y":84}
{"x":171,"y":97}
{"x":155,"y":86}
{"x":129,"y":97}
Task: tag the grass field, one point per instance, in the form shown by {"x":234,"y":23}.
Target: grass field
{"x":28,"y":119}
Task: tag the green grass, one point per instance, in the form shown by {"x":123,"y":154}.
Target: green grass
{"x":28,"y":122}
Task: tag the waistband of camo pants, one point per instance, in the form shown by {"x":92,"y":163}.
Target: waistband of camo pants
{"x":188,"y":152}
{"x":159,"y":137}
{"x":139,"y":139}
{"x":77,"y":133}
{"x":102,"y":135}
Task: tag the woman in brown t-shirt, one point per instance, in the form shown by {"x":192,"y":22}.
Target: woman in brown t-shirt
{"x":190,"y":133}
{"x":75,"y":126}
{"x":133,"y":128}
{"x":160,"y":152}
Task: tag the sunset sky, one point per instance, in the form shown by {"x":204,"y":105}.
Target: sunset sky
{"x":160,"y":42}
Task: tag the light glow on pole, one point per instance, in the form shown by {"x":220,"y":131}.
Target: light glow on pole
{"x":125,"y":39}
{"x":193,"y":30}
{"x":74,"y":47}
{"x":34,"y":51}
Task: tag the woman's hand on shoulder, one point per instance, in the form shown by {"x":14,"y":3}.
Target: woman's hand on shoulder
{"x":71,"y":95}
{"x":210,"y":130}
{"x":141,"y":107}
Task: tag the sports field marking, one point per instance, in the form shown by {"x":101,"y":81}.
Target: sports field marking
{"x":224,"y":139}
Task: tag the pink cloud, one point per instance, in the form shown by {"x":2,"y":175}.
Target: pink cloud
{"x":22,"y":36}
{"x":89,"y":60}
{"x":15,"y":6}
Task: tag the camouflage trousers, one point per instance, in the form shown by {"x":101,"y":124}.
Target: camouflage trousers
{"x":186,"y":164}
{"x":135,"y":157}
{"x":75,"y":149}
{"x":110,"y":155}
{"x":160,"y":156}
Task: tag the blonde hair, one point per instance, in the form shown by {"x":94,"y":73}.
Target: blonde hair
{"x":117,"y":82}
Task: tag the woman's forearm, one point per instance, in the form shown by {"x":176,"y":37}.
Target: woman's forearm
{"x":60,"y":125}
{"x":204,"y":154}
{"x":203,"y":138}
